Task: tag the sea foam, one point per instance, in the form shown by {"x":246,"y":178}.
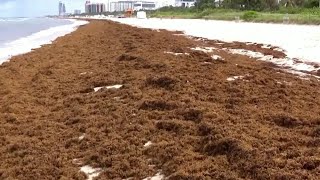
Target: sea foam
{"x":26,"y":44}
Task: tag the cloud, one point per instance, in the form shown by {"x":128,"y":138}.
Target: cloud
{"x":6,"y":5}
{"x":5,"y":1}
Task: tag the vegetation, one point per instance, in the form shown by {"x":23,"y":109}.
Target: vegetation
{"x":250,"y":15}
{"x":289,"y":11}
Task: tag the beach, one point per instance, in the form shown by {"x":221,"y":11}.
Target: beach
{"x":112,"y":101}
{"x":298,"y":41}
{"x":21,"y":35}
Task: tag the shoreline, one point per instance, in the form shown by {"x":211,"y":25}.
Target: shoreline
{"x":36,"y":40}
{"x":114,"y":101}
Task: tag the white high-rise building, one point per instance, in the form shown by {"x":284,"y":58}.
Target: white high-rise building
{"x":94,"y":8}
{"x":62,"y":8}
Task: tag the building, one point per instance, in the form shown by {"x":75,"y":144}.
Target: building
{"x":94,"y":8}
{"x":123,"y":5}
{"x":120,"y":6}
{"x":77,"y":12}
{"x":144,"y":5}
{"x":185,"y":3}
{"x":86,"y":9}
{"x":165,"y":3}
{"x":62,"y":9}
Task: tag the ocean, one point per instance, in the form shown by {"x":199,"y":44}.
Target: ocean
{"x":21,"y":35}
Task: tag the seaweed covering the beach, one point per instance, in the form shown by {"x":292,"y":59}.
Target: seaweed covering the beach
{"x":112,"y":101}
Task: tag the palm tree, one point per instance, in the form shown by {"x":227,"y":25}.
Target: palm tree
{"x":288,"y":3}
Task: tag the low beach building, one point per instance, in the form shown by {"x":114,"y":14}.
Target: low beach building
{"x":185,"y":3}
{"x":144,"y":5}
{"x":77,"y":12}
{"x":123,"y":5}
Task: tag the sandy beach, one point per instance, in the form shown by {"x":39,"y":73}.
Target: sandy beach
{"x":111,"y":101}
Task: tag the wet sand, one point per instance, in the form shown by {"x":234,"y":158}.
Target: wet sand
{"x":184,"y":115}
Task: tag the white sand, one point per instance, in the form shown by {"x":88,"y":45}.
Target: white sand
{"x":299,"y":41}
{"x":204,"y":49}
{"x":233,"y":78}
{"x":158,"y":176}
{"x":148,"y":144}
{"x":82,"y":137}
{"x":107,"y":87}
{"x":176,"y":54}
{"x":286,"y":62}
{"x":91,"y":172}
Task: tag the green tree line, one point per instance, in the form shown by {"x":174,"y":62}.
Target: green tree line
{"x":257,"y":5}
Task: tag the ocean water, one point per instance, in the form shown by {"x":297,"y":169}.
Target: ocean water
{"x":21,"y":35}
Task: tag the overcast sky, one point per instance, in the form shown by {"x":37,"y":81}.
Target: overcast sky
{"x":33,"y":8}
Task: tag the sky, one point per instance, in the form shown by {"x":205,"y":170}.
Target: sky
{"x":36,"y":8}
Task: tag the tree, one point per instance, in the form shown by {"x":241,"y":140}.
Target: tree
{"x":312,"y":3}
{"x":204,"y":4}
{"x":235,"y":4}
{"x":272,"y":4}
